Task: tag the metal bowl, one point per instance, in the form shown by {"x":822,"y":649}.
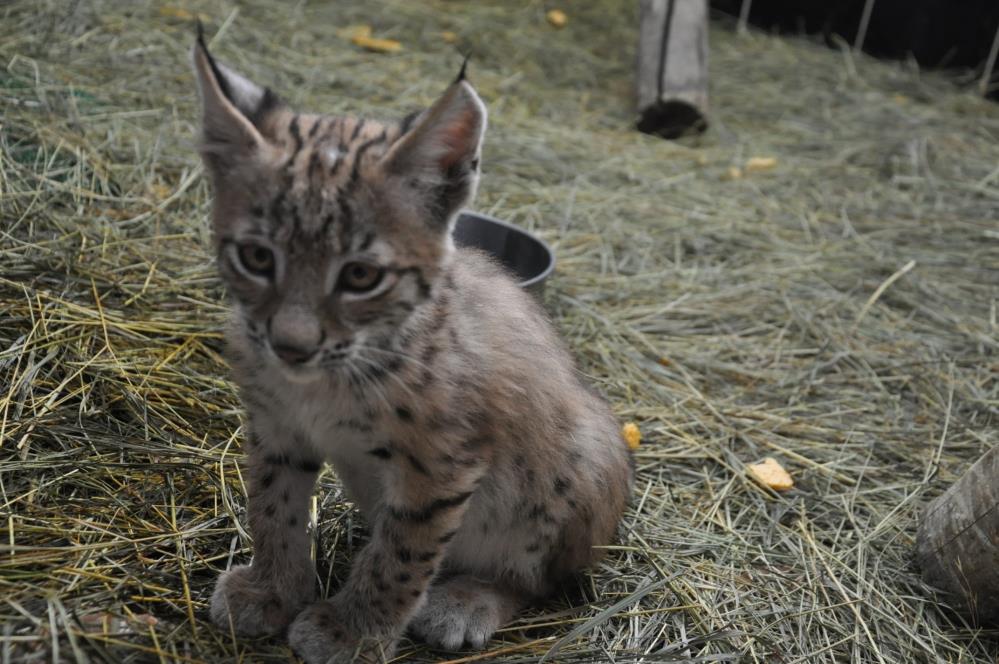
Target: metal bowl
{"x":528,"y":257}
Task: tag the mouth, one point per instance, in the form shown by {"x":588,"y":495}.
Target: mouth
{"x":324,"y":363}
{"x":333,"y":360}
{"x":297,"y":371}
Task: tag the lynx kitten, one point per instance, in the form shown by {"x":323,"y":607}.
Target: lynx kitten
{"x":437,"y":389}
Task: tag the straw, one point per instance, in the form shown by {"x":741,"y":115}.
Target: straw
{"x":835,"y":310}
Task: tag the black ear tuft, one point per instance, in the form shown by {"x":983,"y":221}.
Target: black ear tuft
{"x":464,"y":65}
{"x":220,"y":78}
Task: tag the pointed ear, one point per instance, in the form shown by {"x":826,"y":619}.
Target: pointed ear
{"x":232,"y":109}
{"x":440,"y":154}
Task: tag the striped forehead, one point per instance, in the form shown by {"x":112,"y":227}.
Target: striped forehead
{"x":320,"y":168}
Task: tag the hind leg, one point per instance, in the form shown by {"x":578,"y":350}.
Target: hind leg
{"x":462,"y":609}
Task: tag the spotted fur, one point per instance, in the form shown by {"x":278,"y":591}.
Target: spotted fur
{"x":437,"y":389}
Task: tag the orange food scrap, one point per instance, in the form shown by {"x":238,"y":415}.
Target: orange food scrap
{"x":664,"y":361}
{"x":770,"y":474}
{"x":632,"y":435}
{"x":176,"y":12}
{"x":181,"y":14}
{"x":377,"y":45}
{"x":557,"y":18}
{"x":758,"y":164}
{"x":360,"y":35}
{"x":160,"y":191}
{"x":449,"y":37}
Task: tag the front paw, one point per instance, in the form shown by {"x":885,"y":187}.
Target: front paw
{"x":463,"y":610}
{"x":322,"y":635}
{"x":251,"y":605}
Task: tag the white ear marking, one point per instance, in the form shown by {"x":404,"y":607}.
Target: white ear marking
{"x":244,"y":93}
{"x":331,"y":156}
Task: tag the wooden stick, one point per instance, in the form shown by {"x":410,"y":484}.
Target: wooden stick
{"x":990,"y":63}
{"x":865,"y":20}
{"x":957,"y":545}
{"x":672,"y":77}
{"x":744,"y":9}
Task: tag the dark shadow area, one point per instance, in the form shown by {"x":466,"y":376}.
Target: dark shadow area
{"x":936,"y":33}
{"x":672,"y":119}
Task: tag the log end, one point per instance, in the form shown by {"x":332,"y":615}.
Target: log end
{"x":957,"y":553}
{"x":671,"y":119}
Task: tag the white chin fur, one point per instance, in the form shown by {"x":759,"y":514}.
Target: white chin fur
{"x":299,"y":375}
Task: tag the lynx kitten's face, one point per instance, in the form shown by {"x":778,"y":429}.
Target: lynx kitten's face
{"x":331,"y":230}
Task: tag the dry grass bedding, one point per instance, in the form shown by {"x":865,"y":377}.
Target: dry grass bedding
{"x":835,"y":310}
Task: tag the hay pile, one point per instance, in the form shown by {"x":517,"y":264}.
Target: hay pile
{"x":837,"y":311}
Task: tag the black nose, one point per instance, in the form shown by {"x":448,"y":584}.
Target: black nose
{"x":293,"y":354}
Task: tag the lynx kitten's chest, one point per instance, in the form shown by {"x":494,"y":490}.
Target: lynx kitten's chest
{"x":336,"y":425}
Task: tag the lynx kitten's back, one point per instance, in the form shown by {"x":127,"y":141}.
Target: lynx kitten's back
{"x":438,"y":390}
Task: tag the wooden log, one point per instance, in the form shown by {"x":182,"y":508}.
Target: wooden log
{"x":672,"y":77}
{"x":957,"y":544}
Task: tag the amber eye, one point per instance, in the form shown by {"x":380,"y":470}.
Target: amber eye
{"x":257,"y":259}
{"x":360,"y":277}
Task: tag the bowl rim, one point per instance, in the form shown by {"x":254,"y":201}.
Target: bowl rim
{"x":546,"y":248}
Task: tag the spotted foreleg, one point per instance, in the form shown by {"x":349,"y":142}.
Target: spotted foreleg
{"x":264,"y":597}
{"x":390,"y":577}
